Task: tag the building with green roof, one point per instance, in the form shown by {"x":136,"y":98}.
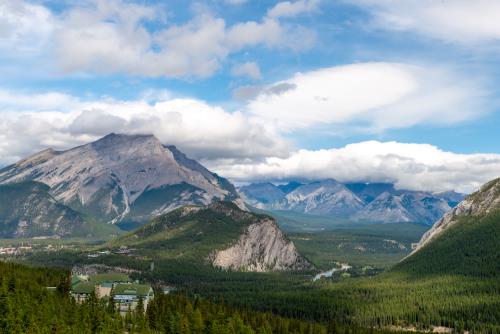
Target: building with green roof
{"x":126,"y":296}
{"x":81,"y":290}
{"x":109,"y":278}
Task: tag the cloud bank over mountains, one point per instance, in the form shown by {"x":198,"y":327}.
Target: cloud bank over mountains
{"x":409,"y":166}
{"x":250,"y":143}
{"x":257,"y":135}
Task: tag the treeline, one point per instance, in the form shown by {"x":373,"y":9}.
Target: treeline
{"x":390,"y":299}
{"x":27,"y":305}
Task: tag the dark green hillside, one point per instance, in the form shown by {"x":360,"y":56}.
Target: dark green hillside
{"x":189,"y":232}
{"x":27,"y":210}
{"x":471,"y":247}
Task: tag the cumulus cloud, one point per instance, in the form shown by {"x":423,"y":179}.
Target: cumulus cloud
{"x":462,"y":21}
{"x":248,"y":69}
{"x":409,"y":166}
{"x":372,"y":97}
{"x":201,"y":130}
{"x":24,"y":27}
{"x":293,"y":8}
{"x":117,"y":36}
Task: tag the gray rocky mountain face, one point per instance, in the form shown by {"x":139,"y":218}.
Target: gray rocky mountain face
{"x":480,"y":203}
{"x":327,"y":197}
{"x":404,"y":207}
{"x":28,"y":210}
{"x":122,"y":177}
{"x":262,"y":246}
{"x":374,"y":202}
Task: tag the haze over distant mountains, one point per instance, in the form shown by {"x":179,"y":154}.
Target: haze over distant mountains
{"x":373,"y":202}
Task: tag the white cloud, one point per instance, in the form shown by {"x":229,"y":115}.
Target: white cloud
{"x":114,"y":36}
{"x":248,"y":69}
{"x":201,"y":130}
{"x":371,"y":97}
{"x":462,"y":21}
{"x":293,"y":8}
{"x":245,"y":148}
{"x":118,"y":36}
{"x":24,"y":27}
{"x":410,"y":166}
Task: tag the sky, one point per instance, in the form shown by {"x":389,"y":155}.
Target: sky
{"x":402,"y":91}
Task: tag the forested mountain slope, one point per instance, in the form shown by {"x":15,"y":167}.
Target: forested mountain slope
{"x":465,"y":241}
{"x":220,"y":234}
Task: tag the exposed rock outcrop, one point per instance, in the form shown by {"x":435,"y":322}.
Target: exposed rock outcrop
{"x":28,"y":210}
{"x":262,"y":247}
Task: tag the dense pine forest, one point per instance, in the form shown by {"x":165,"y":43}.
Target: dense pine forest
{"x":460,"y":292}
{"x":36,"y":300}
{"x":394,"y":298}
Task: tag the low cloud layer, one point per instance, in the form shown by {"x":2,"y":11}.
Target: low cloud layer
{"x":252,"y":143}
{"x":409,"y":166}
{"x":201,"y":130}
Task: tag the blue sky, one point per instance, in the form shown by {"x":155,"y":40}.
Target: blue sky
{"x":256,"y":88}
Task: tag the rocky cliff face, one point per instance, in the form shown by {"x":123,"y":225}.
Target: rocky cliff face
{"x":262,"y":247}
{"x":104,"y":179}
{"x":480,"y":203}
{"x":28,"y":210}
{"x":220,"y":234}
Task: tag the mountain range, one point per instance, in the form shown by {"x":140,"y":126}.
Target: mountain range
{"x":119,"y":179}
{"x":127,"y":180}
{"x":371,"y":202}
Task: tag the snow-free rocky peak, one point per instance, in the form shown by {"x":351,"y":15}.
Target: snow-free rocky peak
{"x":408,"y":206}
{"x":370,"y":202}
{"x":327,"y":197}
{"x":122,"y":177}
